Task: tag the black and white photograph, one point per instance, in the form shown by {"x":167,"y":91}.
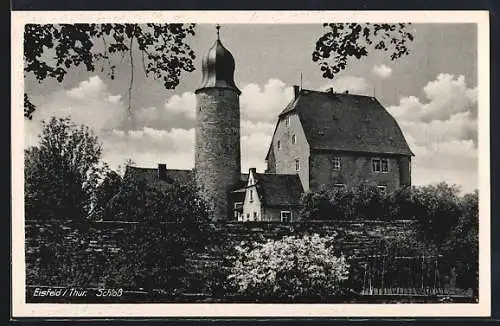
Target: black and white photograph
{"x":319,"y":163}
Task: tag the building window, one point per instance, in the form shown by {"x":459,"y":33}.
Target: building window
{"x":382,"y":189}
{"x":278,"y":144}
{"x":286,"y":216}
{"x":336,"y":163}
{"x":385,"y":165}
{"x":255,"y":216}
{"x":297,"y":165}
{"x":251,"y":195}
{"x":294,"y":139}
{"x":248,"y":216}
{"x":380,"y":165}
{"x":287,"y":120}
{"x":339,"y":187}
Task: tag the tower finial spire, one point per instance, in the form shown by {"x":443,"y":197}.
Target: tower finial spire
{"x":218,"y":31}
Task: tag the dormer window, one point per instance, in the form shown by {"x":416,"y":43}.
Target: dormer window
{"x":294,"y":139}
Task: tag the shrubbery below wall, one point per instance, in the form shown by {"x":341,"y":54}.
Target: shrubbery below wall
{"x":176,"y":259}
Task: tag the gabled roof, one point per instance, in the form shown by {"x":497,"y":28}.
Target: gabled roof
{"x":150,"y":175}
{"x":347,"y":122}
{"x":279,"y":189}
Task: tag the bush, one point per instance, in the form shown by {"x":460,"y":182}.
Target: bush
{"x":362,"y":202}
{"x":139,"y":201}
{"x":289,"y":268}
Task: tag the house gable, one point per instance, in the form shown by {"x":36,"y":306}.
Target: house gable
{"x":252,"y":204}
{"x":289,"y":149}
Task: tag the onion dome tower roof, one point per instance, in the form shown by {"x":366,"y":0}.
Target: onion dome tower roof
{"x":218,"y":67}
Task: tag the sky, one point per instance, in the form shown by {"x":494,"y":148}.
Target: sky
{"x":432,"y":93}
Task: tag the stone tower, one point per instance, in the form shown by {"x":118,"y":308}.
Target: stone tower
{"x":217,"y":144}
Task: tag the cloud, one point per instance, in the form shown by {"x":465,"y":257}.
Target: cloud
{"x":353,"y":84}
{"x":89,"y":103}
{"x":445,"y":96}
{"x":183,"y":105}
{"x":382,"y":71}
{"x":442,"y":131}
{"x":148,"y":147}
{"x":161,"y":134}
{"x":264,"y":103}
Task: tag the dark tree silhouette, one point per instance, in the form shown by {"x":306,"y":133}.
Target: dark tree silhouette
{"x":62,"y":172}
{"x":342,"y":41}
{"x":51,"y":50}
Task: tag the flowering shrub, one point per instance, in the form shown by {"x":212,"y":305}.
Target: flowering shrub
{"x":289,"y":268}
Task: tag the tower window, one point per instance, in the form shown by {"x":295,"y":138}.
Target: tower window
{"x":287,"y":120}
{"x":336,"y":163}
{"x":294,"y":139}
{"x":278,"y":144}
{"x":297,"y":165}
{"x":251,"y":195}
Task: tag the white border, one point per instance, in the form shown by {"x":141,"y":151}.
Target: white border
{"x":21,"y":309}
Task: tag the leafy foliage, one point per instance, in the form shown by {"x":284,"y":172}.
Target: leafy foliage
{"x":139,"y":201}
{"x":361,"y":202}
{"x":463,"y":244}
{"x":51,"y":50}
{"x":342,"y":41}
{"x":109,"y":187}
{"x":62,"y":172}
{"x":289,"y":268}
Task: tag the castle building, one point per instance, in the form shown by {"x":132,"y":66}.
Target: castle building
{"x":339,"y":140}
{"x":322,"y":140}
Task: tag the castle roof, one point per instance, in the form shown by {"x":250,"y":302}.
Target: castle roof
{"x":279,"y":189}
{"x":151,"y":175}
{"x":218,"y":67}
{"x":347,"y":122}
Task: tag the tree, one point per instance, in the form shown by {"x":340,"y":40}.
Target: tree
{"x":342,"y":41}
{"x":109,"y":187}
{"x":51,"y":50}
{"x":62,"y":171}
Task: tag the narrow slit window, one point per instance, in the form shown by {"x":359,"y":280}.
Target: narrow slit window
{"x":297,"y":165}
{"x":294,"y":139}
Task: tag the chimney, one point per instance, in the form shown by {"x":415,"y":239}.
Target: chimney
{"x":162,"y":171}
{"x":296,"y":91}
